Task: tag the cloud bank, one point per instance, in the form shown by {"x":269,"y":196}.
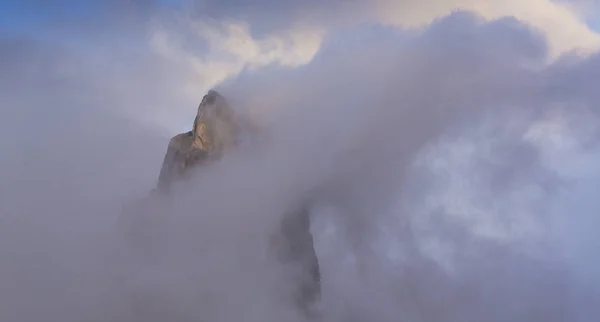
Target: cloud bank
{"x":452,"y":165}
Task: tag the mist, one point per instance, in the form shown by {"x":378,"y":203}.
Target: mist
{"x":451,"y":172}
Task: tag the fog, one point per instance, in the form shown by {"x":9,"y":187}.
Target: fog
{"x":451,"y":170}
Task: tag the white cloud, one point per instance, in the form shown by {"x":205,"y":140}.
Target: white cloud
{"x":350,"y":123}
{"x":563,"y":27}
{"x":230,"y":49}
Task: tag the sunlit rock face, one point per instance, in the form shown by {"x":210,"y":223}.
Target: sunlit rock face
{"x":213,"y":132}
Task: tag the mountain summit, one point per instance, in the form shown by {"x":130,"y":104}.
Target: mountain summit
{"x":215,"y":131}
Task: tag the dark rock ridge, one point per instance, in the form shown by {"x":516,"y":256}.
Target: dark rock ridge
{"x":214,"y":132}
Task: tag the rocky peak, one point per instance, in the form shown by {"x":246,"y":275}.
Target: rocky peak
{"x":214,"y":127}
{"x":214,"y":130}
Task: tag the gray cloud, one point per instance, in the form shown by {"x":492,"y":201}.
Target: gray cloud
{"x":431,"y":155}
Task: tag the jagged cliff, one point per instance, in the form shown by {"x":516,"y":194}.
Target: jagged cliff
{"x":215,"y":131}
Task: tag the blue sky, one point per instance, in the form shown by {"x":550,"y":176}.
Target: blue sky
{"x":24,"y":14}
{"x":595,"y":23}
